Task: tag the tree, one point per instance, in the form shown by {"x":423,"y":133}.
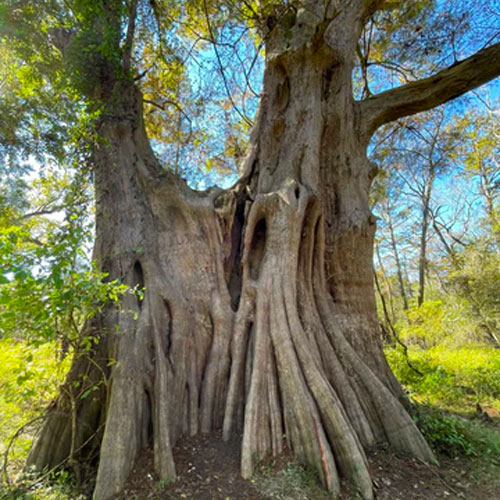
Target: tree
{"x":258,"y":312}
{"x":433,"y":165}
{"x":480,"y":152}
{"x":474,"y":267}
{"x":421,"y":149}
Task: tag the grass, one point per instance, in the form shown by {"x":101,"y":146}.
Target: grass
{"x":57,"y":487}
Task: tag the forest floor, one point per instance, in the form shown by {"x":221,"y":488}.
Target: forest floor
{"x":208,"y":469}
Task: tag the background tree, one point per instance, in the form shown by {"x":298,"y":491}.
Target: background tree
{"x":454,"y":225}
{"x":421,"y":150}
{"x":258,"y":311}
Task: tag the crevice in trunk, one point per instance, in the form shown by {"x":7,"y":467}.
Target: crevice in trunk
{"x":168,"y":332}
{"x":148,"y":413}
{"x":234,"y":260}
{"x":138,"y":282}
{"x":257,"y":249}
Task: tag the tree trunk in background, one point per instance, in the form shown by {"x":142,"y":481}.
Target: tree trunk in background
{"x":422,"y":257}
{"x":486,"y":182}
{"x":395,"y":252}
{"x":258,"y":314}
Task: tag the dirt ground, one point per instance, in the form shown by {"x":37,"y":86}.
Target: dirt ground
{"x":208,"y":469}
{"x":453,"y":479}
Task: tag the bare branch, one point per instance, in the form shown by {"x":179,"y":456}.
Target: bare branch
{"x":221,"y":66}
{"x":429,"y":92}
{"x":45,"y":210}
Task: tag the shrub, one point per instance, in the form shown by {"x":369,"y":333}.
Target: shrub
{"x":454,"y":435}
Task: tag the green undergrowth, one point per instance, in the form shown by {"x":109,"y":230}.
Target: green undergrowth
{"x":472,"y":443}
{"x":453,"y":435}
{"x":454,"y":379}
{"x":29,"y":377}
{"x":57,"y":486}
{"x":456,"y":392}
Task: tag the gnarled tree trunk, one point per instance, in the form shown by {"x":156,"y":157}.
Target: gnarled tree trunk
{"x":258,"y":314}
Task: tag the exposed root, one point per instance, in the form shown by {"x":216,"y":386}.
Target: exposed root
{"x":280,"y":367}
{"x":331,"y":404}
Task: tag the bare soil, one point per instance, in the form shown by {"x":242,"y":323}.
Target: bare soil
{"x":454,"y":478}
{"x":209,"y":469}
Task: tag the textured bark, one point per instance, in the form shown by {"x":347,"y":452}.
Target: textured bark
{"x":258,"y":314}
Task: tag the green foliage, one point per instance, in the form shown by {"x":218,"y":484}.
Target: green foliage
{"x":447,"y":321}
{"x":47,"y":285}
{"x":453,"y":337}
{"x":451,"y":377}
{"x":445,"y":433}
{"x":453,"y":381}
{"x":29,"y":377}
{"x":477,"y":281}
{"x":478,"y":150}
{"x":48,"y":288}
{"x":55,"y":487}
{"x":427,"y":325}
{"x":37,"y":107}
{"x":464,"y":309}
{"x":454,"y":435}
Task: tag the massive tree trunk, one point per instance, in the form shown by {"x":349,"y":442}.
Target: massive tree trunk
{"x":258,"y":313}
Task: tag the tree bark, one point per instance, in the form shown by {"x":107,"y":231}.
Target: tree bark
{"x":258,"y":313}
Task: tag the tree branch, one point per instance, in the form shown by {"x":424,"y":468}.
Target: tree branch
{"x":221,"y":66}
{"x":430,"y":92}
{"x":129,"y":40}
